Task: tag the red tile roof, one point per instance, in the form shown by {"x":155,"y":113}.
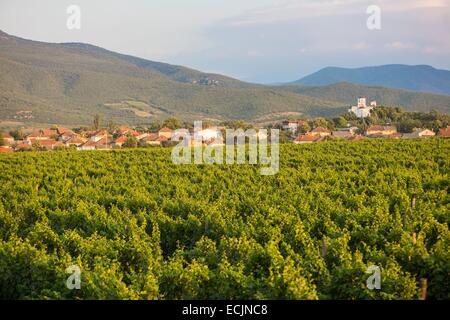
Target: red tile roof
{"x":75,"y":140}
{"x":89,"y":143}
{"x":151,"y":137}
{"x":62,"y":130}
{"x":444,"y":132}
{"x":121,"y":139}
{"x":381,"y":128}
{"x":47,"y":132}
{"x":6,"y":149}
{"x":23,"y":146}
{"x":320,"y":129}
{"x":307,"y":138}
{"x":162,"y":138}
{"x":6,"y":135}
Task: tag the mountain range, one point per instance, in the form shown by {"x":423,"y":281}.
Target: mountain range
{"x":67,"y":83}
{"x":421,"y":78}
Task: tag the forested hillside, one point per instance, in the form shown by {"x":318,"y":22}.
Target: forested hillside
{"x":140,"y":227}
{"x":67,"y":84}
{"x":346,"y":93}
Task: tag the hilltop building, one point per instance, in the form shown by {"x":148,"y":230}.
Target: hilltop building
{"x":362,"y":110}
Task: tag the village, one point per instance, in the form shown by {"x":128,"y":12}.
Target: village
{"x":57,"y":138}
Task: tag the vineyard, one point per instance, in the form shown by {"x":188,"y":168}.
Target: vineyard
{"x":140,"y":227}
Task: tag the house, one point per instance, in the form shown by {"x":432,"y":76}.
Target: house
{"x":22,"y":146}
{"x":6,"y":149}
{"x":379,"y":130}
{"x":48,"y":133}
{"x":7,"y":139}
{"x":75,"y":141}
{"x":104,"y":143}
{"x":88,"y":133}
{"x":65,"y":134}
{"x":444,"y":132}
{"x":140,"y":135}
{"x":99,"y":135}
{"x":87,"y":146}
{"x":165,"y":132}
{"x":357,"y":137}
{"x":293,"y":125}
{"x":39,"y":135}
{"x":207,"y":134}
{"x":419,"y":133}
{"x":320,"y":131}
{"x":62,"y":130}
{"x":180,"y":134}
{"x":351,"y":130}
{"x":393,"y":136}
{"x":119,"y":142}
{"x":215,"y":142}
{"x":307,"y":138}
{"x":124,"y":130}
{"x":342,"y":134}
{"x":154,"y":139}
{"x":48,"y":144}
{"x":362,"y":110}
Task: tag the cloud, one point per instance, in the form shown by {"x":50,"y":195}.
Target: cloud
{"x":360,"y":46}
{"x":398,"y":45}
{"x":304,"y":9}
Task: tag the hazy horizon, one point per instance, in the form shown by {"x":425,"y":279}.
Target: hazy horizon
{"x":264,"y":41}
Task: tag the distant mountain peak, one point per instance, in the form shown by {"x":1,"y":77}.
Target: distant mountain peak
{"x":420,"y":78}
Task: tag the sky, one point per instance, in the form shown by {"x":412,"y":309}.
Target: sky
{"x":262,"y":41}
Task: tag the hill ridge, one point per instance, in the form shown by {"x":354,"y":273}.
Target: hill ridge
{"x":420,"y":78}
{"x":67,"y":83}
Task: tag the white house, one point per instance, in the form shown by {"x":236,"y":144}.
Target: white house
{"x":293,"y":125}
{"x":362,"y":110}
{"x":419,"y":133}
{"x":208,"y":134}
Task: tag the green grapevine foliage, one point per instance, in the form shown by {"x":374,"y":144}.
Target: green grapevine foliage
{"x":141,"y":227}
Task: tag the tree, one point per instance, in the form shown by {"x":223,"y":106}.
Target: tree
{"x":340,"y":122}
{"x":17,"y":134}
{"x":131,"y":142}
{"x":36,"y":146}
{"x":407,"y":126}
{"x":172,"y":123}
{"x":236,"y":124}
{"x":155,"y":125}
{"x":111,"y":126}
{"x":284,"y":137}
{"x":320,"y":122}
{"x":304,"y":127}
{"x":97,"y":121}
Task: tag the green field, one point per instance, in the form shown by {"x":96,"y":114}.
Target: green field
{"x":140,"y":227}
